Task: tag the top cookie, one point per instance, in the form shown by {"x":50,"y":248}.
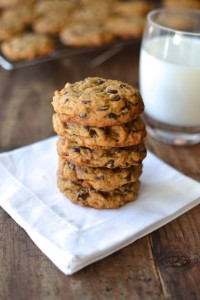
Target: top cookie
{"x":98,"y":102}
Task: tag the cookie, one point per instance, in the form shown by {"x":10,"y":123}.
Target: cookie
{"x":49,"y":7}
{"x":51,"y":24}
{"x":128,"y":134}
{"x":10,"y":3}
{"x":195,"y":4}
{"x":27,"y":47}
{"x":98,"y":102}
{"x":98,"y":199}
{"x":132,"y":8}
{"x":94,"y":158}
{"x":91,"y":13}
{"x":103,"y":179}
{"x":22,"y":13}
{"x":126,"y":27}
{"x":85,"y":35}
{"x":10,"y":27}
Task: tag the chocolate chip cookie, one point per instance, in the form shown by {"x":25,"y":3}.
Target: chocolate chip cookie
{"x":12,"y":3}
{"x":27,"y":46}
{"x":137,"y":8}
{"x":22,"y":13}
{"x":98,"y":102}
{"x":10,"y":28}
{"x":50,"y":24}
{"x":108,"y":158}
{"x":126,"y":27}
{"x":85,"y":35}
{"x":195,"y":4}
{"x":98,"y":199}
{"x":52,"y":7}
{"x":99,"y":178}
{"x":125,"y":135}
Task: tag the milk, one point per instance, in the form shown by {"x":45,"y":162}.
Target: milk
{"x":170,"y":80}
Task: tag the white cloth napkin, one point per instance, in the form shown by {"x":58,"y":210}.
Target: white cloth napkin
{"x":73,"y":236}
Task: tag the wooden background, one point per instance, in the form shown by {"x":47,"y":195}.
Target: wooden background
{"x":162,"y":265}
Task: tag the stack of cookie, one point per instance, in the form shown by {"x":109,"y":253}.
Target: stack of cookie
{"x":101,"y":144}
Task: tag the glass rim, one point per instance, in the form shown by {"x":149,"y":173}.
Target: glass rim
{"x":172,"y":10}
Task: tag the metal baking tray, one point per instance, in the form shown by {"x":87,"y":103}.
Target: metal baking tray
{"x":62,"y":51}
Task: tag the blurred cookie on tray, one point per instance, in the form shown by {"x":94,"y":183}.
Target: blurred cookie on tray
{"x":85,"y":35}
{"x":12,"y":3}
{"x":27,"y":46}
{"x":137,"y":8}
{"x":48,"y":7}
{"x":10,"y":28}
{"x":51,"y":24}
{"x":23,"y":14}
{"x":125,"y":27}
{"x":80,"y":24}
{"x":194,"y":4}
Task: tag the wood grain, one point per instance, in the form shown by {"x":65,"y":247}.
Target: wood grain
{"x":162,"y":265}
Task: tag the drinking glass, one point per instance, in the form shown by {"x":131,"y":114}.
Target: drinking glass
{"x":170,"y":75}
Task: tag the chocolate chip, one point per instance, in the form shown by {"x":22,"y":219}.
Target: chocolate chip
{"x":112,"y":116}
{"x":102,"y":108}
{"x":86,"y":101}
{"x":116,"y":170}
{"x":128,"y":177}
{"x":93,"y":133}
{"x":110,"y":164}
{"x":106,"y":130}
{"x":66,"y":100}
{"x":74,"y":182}
{"x":80,"y":181}
{"x":129,"y":127}
{"x":86,"y":128}
{"x":127,"y":106}
{"x":103,"y":193}
{"x":66,"y":92}
{"x":82,"y":196}
{"x":83,"y":115}
{"x":100,"y":81}
{"x":122,"y":86}
{"x":100,"y":177}
{"x":76,"y":149}
{"x":116,"y":98}
{"x":72,"y":166}
{"x":112,"y":91}
{"x":134,"y":103}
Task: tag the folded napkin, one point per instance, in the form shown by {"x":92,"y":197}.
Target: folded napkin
{"x":73,"y":236}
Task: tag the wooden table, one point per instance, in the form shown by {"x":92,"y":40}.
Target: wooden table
{"x":162,"y":265}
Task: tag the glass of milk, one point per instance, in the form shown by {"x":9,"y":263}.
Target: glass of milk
{"x":170,"y":75}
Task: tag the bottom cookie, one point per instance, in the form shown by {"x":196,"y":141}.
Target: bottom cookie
{"x":98,"y":199}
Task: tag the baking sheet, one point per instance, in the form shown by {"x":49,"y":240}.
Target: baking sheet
{"x":62,"y":51}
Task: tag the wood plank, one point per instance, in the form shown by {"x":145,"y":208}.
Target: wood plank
{"x":176,"y":246}
{"x":176,"y":250}
{"x":128,"y":273}
{"x":185,"y":159}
